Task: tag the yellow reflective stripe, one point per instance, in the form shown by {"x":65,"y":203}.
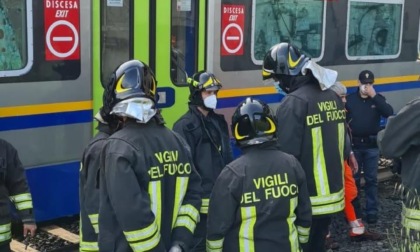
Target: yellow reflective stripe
{"x":95,"y":228}
{"x":294,"y":245}
{"x":21,"y":197}
{"x":5,"y":236}
{"x":246,"y":231}
{"x":190,"y":211}
{"x":328,"y":209}
{"x":94,"y":218}
{"x":303,"y":234}
{"x":303,"y":230}
{"x":141,"y":234}
{"x":180,"y":190}
{"x":341,"y":140}
{"x":147,"y":244}
{"x":204,"y":206}
{"x":89,"y":246}
{"x":24,"y":205}
{"x":185,"y":221}
{"x":5,"y":228}
{"x":214,"y":246}
{"x":326,"y":199}
{"x":410,"y":213}
{"x":155,"y":192}
{"x":320,"y":171}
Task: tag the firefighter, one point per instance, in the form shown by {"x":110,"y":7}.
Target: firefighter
{"x":260,"y":201}
{"x":208,"y":136}
{"x":314,"y":133}
{"x":88,"y":190}
{"x":149,"y":188}
{"x":401,"y":139}
{"x":14,"y":187}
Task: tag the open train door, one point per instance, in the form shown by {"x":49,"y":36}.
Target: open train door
{"x":169,"y":35}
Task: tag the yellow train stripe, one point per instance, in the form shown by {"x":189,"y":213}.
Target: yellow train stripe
{"x":263,"y":90}
{"x":45,"y":108}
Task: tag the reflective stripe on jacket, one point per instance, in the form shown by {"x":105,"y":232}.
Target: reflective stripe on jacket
{"x":149,"y":190}
{"x":311,"y":126}
{"x":260,"y":202}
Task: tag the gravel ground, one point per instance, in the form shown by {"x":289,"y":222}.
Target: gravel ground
{"x":388,"y":223}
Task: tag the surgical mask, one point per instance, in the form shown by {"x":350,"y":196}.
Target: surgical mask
{"x":210,"y":101}
{"x":141,"y":109}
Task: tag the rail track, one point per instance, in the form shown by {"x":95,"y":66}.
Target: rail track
{"x":51,"y":238}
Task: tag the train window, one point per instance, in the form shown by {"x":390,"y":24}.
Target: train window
{"x":16,"y":39}
{"x":116,"y":34}
{"x":374,"y":29}
{"x":184,"y":40}
{"x":299,"y":22}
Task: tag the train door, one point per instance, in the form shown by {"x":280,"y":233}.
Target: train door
{"x":169,"y":35}
{"x":45,"y":105}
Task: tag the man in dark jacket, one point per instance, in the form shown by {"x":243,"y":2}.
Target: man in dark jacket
{"x":88,"y":189}
{"x":13,"y":186}
{"x":149,"y":188}
{"x":364,"y":110}
{"x":311,"y":127}
{"x":401,"y":139}
{"x":207,"y":135}
{"x":260,"y":201}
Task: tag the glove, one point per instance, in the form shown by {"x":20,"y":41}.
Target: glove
{"x":175,"y":248}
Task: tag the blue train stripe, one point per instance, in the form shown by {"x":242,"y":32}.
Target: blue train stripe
{"x":230,"y":102}
{"x":45,"y":120}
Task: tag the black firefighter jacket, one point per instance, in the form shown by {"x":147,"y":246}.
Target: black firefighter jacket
{"x":260,"y":202}
{"x":14,"y":187}
{"x":88,"y":191}
{"x":311,"y":126}
{"x":149,"y":190}
{"x":401,"y":139}
{"x":211,"y":152}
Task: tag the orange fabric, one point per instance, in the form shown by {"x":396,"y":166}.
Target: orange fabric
{"x":350,"y":193}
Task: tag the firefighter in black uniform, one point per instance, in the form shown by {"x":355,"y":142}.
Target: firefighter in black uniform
{"x":149,"y":188}
{"x":208,"y":136}
{"x":14,"y":187}
{"x":311,"y":127}
{"x":260,"y":201}
{"x":401,"y":139}
{"x":88,"y":190}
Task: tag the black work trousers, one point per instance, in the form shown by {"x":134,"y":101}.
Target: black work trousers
{"x":319,"y":231}
{"x":199,"y":241}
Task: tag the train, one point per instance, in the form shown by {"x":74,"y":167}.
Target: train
{"x":56,"y":54}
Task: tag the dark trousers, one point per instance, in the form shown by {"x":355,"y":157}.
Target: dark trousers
{"x":319,"y":230}
{"x":5,"y":247}
{"x":199,"y":241}
{"x":367,"y":158}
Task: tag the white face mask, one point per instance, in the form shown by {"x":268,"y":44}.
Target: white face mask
{"x":210,"y":101}
{"x":140,"y":109}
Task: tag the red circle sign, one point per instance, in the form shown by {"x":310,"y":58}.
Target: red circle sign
{"x":232,"y":38}
{"x":62,"y":39}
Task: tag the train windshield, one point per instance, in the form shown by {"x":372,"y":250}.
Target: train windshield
{"x":374,"y":29}
{"x":14,"y":45}
{"x":116,"y":32}
{"x":297,"y":22}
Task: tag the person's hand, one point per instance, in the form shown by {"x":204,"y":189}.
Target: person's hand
{"x":175,"y":248}
{"x":353,"y":163}
{"x":370,"y":91}
{"x":29,"y":228}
